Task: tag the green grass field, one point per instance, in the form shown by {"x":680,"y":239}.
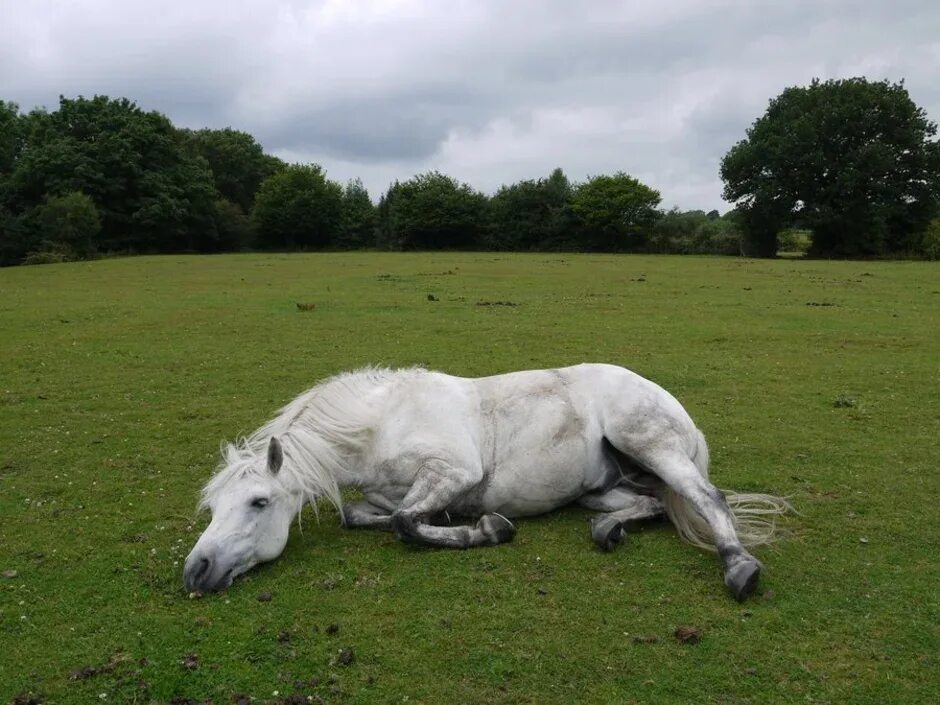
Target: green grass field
{"x":120,"y":378}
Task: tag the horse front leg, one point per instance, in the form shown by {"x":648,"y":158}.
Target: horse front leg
{"x":365,"y":515}
{"x":438,"y":484}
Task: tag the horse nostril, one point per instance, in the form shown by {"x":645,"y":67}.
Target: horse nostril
{"x":196,"y":571}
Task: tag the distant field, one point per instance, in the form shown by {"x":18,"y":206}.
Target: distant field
{"x":119,"y":378}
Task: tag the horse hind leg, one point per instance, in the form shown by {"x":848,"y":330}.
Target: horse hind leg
{"x":620,"y":506}
{"x":438,"y":485}
{"x":663,"y":453}
{"x":679,"y":472}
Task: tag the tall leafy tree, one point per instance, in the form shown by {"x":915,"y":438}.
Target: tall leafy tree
{"x":432,"y":211}
{"x":237,"y":161}
{"x":233,"y":229}
{"x":853,"y":160}
{"x":694,"y":232}
{"x":11,"y":137}
{"x":12,"y":246}
{"x":615,"y":212}
{"x":384,"y":235}
{"x":357,"y":226}
{"x":151,"y":192}
{"x":298,"y":207}
{"x":14,"y":240}
{"x":532,"y":215}
{"x":69,"y":224}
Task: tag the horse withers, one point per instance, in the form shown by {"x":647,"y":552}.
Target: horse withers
{"x":422,"y":445}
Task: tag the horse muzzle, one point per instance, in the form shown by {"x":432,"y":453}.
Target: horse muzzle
{"x":203,"y":574}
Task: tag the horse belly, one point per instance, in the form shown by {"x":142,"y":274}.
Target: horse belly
{"x":542,"y":455}
{"x":536,"y":483}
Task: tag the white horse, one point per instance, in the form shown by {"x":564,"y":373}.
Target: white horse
{"x":424,"y":446}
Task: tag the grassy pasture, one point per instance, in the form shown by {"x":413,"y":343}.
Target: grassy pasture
{"x":119,"y":378}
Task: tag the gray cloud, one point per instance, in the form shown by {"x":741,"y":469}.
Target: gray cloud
{"x":489,"y":92}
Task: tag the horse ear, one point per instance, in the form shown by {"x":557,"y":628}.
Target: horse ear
{"x":275,"y":455}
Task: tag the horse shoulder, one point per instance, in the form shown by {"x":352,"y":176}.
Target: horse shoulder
{"x":432,"y":415}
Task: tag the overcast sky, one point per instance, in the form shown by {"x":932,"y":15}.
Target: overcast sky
{"x":489,"y":92}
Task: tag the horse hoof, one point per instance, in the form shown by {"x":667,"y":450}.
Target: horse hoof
{"x":404,"y":527}
{"x":742,"y":578}
{"x":607,"y":532}
{"x":496,"y":528}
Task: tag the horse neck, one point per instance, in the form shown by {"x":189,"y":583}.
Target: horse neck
{"x":324,"y":432}
{"x":314,"y":466}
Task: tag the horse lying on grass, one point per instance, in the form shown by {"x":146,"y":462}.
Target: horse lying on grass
{"x":422,"y":445}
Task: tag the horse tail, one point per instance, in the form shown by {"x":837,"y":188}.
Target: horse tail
{"x":754,"y":514}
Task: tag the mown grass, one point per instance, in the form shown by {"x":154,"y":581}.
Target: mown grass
{"x":119,"y":378}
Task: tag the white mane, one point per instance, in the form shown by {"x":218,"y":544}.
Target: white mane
{"x":320,"y":432}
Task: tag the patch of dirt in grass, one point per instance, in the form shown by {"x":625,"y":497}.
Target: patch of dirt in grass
{"x":330,"y":582}
{"x":845,"y":401}
{"x":368,"y":581}
{"x":345,"y":657}
{"x":10,"y":468}
{"x":297,"y":699}
{"x":645,"y":639}
{"x":688,"y":635}
{"x":84,"y":672}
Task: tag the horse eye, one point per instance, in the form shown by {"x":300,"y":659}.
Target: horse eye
{"x":259,"y":503}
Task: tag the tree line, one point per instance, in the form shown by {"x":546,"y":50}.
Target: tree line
{"x":850,"y":163}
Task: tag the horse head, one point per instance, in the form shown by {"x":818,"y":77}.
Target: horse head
{"x":251,"y":514}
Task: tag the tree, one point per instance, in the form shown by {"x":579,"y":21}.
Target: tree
{"x":384,"y":237}
{"x":531,"y":215}
{"x":694,"y":232}
{"x":12,"y":246}
{"x":298,"y":207}
{"x":11,"y":140}
{"x":431,"y":211}
{"x":930,"y":243}
{"x":357,"y":227}
{"x":852,"y":160}
{"x":615,"y":212}
{"x":237,"y":161}
{"x":232,"y":227}
{"x":69,"y":224}
{"x":14,"y":241}
{"x":152,"y":194}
